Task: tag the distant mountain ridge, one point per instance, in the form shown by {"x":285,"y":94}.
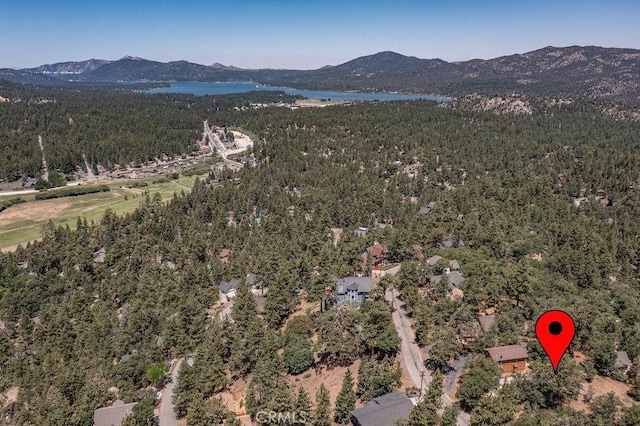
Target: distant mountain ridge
{"x":575,"y":71}
{"x":66,"y":68}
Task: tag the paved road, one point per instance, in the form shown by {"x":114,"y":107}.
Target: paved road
{"x":217,"y":146}
{"x":167,"y":417}
{"x":45,"y":169}
{"x":411,"y":354}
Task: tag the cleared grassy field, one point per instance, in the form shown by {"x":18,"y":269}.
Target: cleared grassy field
{"x":23,"y":222}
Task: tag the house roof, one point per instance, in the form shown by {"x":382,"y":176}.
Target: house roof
{"x":99,"y":255}
{"x":224,"y":253}
{"x":622,"y":359}
{"x":384,"y":410}
{"x":486,"y":321}
{"x":452,"y":242}
{"x":453,"y":264}
{"x":433,"y":260}
{"x":378,"y":250}
{"x":507,"y":353}
{"x":361,"y":284}
{"x":114,"y":415}
{"x":225,"y":286}
{"x":455,"y":278}
{"x":424,"y":210}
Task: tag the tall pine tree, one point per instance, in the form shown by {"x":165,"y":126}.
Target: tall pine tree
{"x":322,"y":414}
{"x":346,"y":399}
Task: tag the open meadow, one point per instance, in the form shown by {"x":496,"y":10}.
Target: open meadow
{"x":23,"y":222}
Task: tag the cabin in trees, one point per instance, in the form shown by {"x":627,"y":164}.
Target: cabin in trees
{"x":228,"y":289}
{"x":353,"y":290}
{"x":512,"y":358}
{"x":425,"y":210}
{"x":112,"y":415}
{"x":385,"y":410}
{"x":378,"y":254}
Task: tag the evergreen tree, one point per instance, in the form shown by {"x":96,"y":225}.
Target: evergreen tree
{"x":303,"y":402}
{"x":423,"y":414}
{"x":346,"y":399}
{"x":185,"y":390}
{"x":322,"y":413}
{"x":251,"y":401}
{"x":298,"y":355}
{"x":433,"y":397}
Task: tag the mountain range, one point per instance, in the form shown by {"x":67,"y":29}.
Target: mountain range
{"x":575,"y":71}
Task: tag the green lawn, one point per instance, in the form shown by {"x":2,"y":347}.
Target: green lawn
{"x":23,"y":222}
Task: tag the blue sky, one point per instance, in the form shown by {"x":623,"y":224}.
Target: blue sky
{"x":303,"y":34}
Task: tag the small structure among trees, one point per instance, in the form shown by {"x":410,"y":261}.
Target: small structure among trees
{"x":383,"y":410}
{"x":512,"y":358}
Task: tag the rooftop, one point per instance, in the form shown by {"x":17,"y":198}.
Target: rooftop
{"x":455,"y":278}
{"x":384,"y":410}
{"x":361,"y":284}
{"x":507,"y":353}
{"x":486,"y":321}
{"x":225,"y":286}
{"x":114,"y":415}
{"x":378,"y":250}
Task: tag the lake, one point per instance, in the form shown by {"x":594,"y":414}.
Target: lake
{"x":196,"y":88}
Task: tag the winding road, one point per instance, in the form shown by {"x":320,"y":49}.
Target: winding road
{"x":411,"y":354}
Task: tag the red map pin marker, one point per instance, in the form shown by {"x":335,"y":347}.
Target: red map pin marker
{"x":555,"y":331}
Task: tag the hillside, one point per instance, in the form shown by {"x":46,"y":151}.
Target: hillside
{"x":67,"y":68}
{"x":575,"y":71}
{"x":94,"y":314}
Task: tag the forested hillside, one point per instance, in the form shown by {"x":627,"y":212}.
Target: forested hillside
{"x":504,"y":184}
{"x":105,"y":125}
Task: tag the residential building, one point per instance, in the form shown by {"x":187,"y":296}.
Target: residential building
{"x":433,"y":260}
{"x":455,"y":278}
{"x":353,"y":290}
{"x":228,"y":289}
{"x":361,"y":232}
{"x":623,"y":363}
{"x":512,"y":358}
{"x":384,"y":410}
{"x":378,"y":253}
{"x":486,"y":321}
{"x":113,"y":415}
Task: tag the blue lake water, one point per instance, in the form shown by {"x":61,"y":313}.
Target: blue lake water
{"x":196,"y":88}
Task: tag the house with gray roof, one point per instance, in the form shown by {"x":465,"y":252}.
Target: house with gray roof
{"x":452,"y":242}
{"x":228,"y":289}
{"x":384,"y":410}
{"x":113,"y":415}
{"x":622,"y":363}
{"x":353,"y":290}
{"x":486,"y":322}
{"x":455,"y":278}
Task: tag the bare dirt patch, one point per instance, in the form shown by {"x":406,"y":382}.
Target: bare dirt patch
{"x":309,"y":381}
{"x":602,"y":386}
{"x":332,"y":380}
{"x":37,"y":212}
{"x":10,"y":396}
